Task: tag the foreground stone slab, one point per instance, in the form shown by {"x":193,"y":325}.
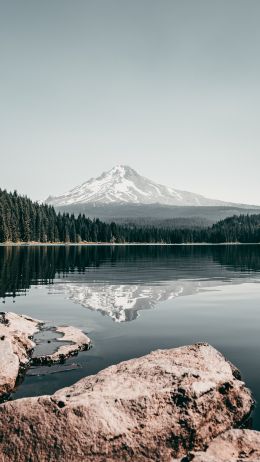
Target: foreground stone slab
{"x":16,"y":346}
{"x":232,"y":446}
{"x":155,"y":408}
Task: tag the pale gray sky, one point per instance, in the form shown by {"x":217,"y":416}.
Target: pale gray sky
{"x":171,"y":88}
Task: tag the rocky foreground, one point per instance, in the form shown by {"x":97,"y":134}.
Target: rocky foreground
{"x":171,"y":405}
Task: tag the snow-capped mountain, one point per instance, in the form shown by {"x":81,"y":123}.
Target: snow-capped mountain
{"x":123,"y":185}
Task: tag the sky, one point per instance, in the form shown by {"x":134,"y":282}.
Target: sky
{"x":169,"y":87}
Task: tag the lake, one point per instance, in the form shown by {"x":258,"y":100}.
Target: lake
{"x":131,"y":300}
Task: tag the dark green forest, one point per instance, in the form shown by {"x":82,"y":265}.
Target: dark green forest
{"x":22,"y":220}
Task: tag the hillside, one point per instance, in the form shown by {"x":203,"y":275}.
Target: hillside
{"x":156,"y":214}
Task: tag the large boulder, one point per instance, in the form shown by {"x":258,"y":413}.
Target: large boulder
{"x":154,"y":408}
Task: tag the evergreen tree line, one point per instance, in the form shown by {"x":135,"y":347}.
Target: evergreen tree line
{"x":22,"y":220}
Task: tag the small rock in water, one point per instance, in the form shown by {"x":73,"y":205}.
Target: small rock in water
{"x":75,"y":340}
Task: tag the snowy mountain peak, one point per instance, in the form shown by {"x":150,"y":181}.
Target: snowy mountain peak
{"x":118,"y":173}
{"x":123,"y":185}
{"x":122,"y":170}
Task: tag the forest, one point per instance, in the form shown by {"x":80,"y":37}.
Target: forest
{"x":22,"y":220}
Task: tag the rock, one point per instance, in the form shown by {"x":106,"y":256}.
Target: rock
{"x":16,"y":346}
{"x":155,"y":408}
{"x":232,"y":446}
{"x":78,"y":342}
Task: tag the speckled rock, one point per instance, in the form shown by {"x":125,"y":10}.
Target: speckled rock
{"x":154,"y":408}
{"x":232,"y":446}
{"x":78,"y":341}
{"x":16,"y":345}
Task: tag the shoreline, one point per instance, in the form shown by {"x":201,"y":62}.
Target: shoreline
{"x":121,"y":244}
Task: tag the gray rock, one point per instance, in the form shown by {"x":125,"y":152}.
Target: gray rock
{"x":78,"y":341}
{"x":232,"y":446}
{"x":154,"y":408}
{"x":16,"y":346}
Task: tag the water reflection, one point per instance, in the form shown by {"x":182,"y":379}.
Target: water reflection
{"x":123,"y":302}
{"x":121,"y":281}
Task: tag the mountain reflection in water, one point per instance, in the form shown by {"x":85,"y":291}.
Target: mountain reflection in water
{"x":119,"y":281}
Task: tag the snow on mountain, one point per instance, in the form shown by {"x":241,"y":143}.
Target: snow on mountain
{"x":123,"y":185}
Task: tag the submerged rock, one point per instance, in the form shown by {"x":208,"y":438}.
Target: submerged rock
{"x":154,"y":408}
{"x":36,"y":371}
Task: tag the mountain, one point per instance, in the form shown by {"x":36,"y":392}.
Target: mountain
{"x":124,"y":196}
{"x":122,"y":185}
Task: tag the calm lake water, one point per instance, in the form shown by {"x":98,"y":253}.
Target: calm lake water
{"x":134,"y":299}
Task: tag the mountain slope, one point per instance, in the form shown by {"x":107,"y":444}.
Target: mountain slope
{"x":123,"y":185}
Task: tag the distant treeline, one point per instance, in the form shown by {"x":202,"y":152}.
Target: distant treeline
{"x":22,"y":220}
